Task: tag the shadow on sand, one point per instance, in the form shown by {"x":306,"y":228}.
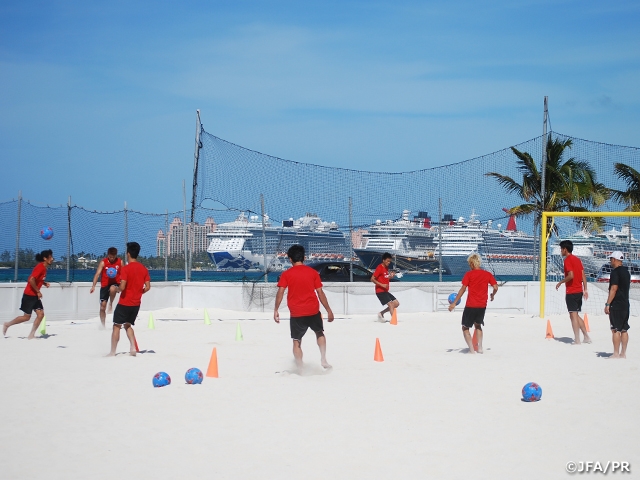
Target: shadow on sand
{"x":563,"y":339}
{"x":603,"y":354}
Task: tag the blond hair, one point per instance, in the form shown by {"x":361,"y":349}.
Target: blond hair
{"x":474,"y":260}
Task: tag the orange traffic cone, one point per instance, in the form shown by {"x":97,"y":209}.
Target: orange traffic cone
{"x":474,"y":340}
{"x":549,"y":330}
{"x":586,"y":322}
{"x":212,"y":370}
{"x":394,"y":318}
{"x":377,"y":356}
{"x":135,"y":343}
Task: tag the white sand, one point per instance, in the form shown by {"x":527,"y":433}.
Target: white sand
{"x":427,"y":411}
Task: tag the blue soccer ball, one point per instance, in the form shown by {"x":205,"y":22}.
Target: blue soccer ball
{"x":46,"y":233}
{"x":193,"y":376}
{"x":161,"y":379}
{"x":112,"y":272}
{"x":452,"y":297}
{"x":531,"y":392}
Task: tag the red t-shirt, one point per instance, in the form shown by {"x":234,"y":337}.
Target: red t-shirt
{"x":135,"y":274}
{"x":39,"y":273}
{"x":477,"y":282}
{"x":302,"y":282}
{"x":105,"y":281}
{"x":573,"y":264}
{"x":381,"y":274}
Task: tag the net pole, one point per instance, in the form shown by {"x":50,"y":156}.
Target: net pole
{"x":166,"y":239}
{"x":196,"y":159}
{"x":543,"y":167}
{"x":264,"y":239}
{"x":184,"y":230}
{"x":68,"y":238}
{"x":440,"y":239}
{"x":126,"y":232}
{"x":17,"y":254}
{"x":350,"y":240}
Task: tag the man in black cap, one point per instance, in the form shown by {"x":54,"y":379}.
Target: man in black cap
{"x":617,"y":306}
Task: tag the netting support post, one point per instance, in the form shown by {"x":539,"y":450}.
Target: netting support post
{"x":184,"y":231}
{"x":543,"y":168}
{"x":440,"y":239}
{"x":196,"y":159}
{"x":69,"y":239}
{"x":350,"y":240}
{"x":166,"y":253}
{"x":264,"y":238}
{"x":126,"y":233}
{"x":17,"y":254}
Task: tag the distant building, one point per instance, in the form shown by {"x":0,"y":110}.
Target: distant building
{"x":172,"y":242}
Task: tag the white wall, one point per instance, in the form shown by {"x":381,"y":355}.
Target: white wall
{"x":73,"y":302}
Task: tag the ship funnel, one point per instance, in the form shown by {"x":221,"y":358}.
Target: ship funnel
{"x":511,"y":224}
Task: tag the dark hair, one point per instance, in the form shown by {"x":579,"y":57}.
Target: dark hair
{"x":112,"y":251}
{"x":296,"y":253}
{"x":386,"y":255}
{"x":133,"y":249}
{"x":43,"y":254}
{"x":568,"y":244}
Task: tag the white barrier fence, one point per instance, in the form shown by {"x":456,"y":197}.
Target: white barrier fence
{"x":74,"y":302}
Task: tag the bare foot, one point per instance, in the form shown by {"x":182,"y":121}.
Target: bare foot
{"x":576,"y":342}
{"x":325,"y":364}
{"x":471,"y":351}
{"x":380,"y":317}
{"x":587,"y":340}
{"x":31,"y":336}
{"x":480,"y":350}
{"x":5,"y":327}
{"x":132,"y":353}
{"x":110,"y":308}
{"x":111,"y":354}
{"x":624,"y":355}
{"x":614,"y":356}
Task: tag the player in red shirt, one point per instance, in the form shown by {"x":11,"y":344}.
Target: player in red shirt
{"x":576,"y":288}
{"x":305,"y":288}
{"x":108,"y":272}
{"x":31,"y":298}
{"x":381,"y":277}
{"x":474,"y":309}
{"x":134,"y":282}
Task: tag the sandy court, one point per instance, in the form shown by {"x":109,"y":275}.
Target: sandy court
{"x":427,"y":411}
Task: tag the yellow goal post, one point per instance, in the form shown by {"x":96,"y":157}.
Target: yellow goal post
{"x":543,"y":241}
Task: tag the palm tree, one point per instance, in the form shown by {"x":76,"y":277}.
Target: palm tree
{"x":630,"y":196}
{"x":570,"y":186}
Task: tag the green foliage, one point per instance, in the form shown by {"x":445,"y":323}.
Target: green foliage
{"x":631,"y":196}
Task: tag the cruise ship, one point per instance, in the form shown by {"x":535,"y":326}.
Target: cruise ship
{"x":239,"y":244}
{"x":594,"y":249}
{"x":415,"y":244}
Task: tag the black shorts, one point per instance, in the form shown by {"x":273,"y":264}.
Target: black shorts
{"x":30,"y":303}
{"x":574,"y":302}
{"x":299,"y":325}
{"x":385,"y":297}
{"x":619,"y":319}
{"x":125,"y":314}
{"x":104,"y":292}
{"x":471,"y":315}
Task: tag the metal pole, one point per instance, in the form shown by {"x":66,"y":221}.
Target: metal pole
{"x":264,"y":238}
{"x":184,"y":231}
{"x":350,"y":240}
{"x":68,"y":238}
{"x":543,"y":261}
{"x":440,"y":239}
{"x":126,"y":232}
{"x":543,"y":167}
{"x":17,"y":255}
{"x":196,"y":158}
{"x":166,"y":245}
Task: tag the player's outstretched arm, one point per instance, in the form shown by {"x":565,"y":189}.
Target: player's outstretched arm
{"x":279,"y":297}
{"x":325,"y":303}
{"x":453,"y":304}
{"x":96,"y":276}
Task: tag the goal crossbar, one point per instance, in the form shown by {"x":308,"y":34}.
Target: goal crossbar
{"x":543,"y":241}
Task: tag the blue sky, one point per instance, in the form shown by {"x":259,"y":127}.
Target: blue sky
{"x":98,"y":99}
